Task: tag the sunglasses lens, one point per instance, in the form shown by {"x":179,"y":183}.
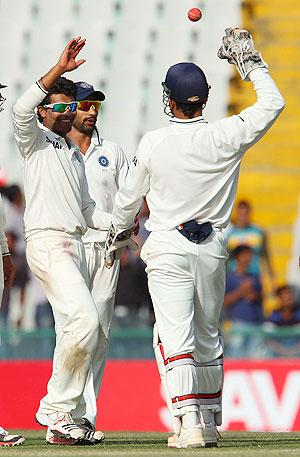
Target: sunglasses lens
{"x":62,"y":107}
{"x":59,"y":107}
{"x":73,"y":106}
{"x":86,"y":105}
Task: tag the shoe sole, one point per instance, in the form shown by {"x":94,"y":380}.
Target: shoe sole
{"x":206,"y":445}
{"x":213,"y":444}
{"x":12,"y":444}
{"x":65,"y":443}
{"x":190,"y":445}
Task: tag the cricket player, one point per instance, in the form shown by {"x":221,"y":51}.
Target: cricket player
{"x":188,"y":172}
{"x":58,"y":211}
{"x":106,"y":167}
{"x":7,"y":274}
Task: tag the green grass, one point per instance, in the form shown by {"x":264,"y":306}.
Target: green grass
{"x":122,"y":444}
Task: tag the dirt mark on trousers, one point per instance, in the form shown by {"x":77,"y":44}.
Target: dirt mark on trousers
{"x":76,"y":359}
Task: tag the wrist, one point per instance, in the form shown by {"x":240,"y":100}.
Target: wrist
{"x":61,"y":69}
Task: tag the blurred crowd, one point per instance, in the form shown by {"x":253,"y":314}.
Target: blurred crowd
{"x":249,"y":331}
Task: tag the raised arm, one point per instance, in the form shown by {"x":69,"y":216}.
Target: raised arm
{"x":241,"y":131}
{"x":24,"y":116}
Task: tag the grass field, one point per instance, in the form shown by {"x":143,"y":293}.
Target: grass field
{"x":125,"y":444}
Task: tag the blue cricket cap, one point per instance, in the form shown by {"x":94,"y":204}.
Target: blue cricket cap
{"x":85,"y":91}
{"x":186,"y":83}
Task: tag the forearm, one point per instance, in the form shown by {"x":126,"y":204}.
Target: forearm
{"x":260,"y":116}
{"x":48,"y":80}
{"x":125,"y":210}
{"x":129,"y":199}
{"x":96,"y":218}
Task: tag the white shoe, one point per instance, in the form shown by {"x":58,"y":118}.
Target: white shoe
{"x":211,"y":435}
{"x":60,"y":423}
{"x":91,"y":436}
{"x":7,"y":440}
{"x":191,"y":437}
{"x":173,"y":441}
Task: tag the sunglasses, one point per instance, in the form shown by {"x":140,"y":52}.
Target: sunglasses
{"x":62,"y":107}
{"x":86,"y":105}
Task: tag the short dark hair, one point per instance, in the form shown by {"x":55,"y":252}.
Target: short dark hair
{"x":12,"y":192}
{"x":244,"y":203}
{"x":239,"y":249}
{"x":283,"y":288}
{"x":189,"y":109}
{"x":62,"y":86}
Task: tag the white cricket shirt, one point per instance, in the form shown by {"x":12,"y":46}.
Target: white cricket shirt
{"x":189,"y":170}
{"x":106,"y":168}
{"x":55,"y":185}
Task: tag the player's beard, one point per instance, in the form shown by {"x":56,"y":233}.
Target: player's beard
{"x":84,"y":126}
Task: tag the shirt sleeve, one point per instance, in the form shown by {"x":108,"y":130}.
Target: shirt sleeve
{"x":3,"y":241}
{"x":25,"y":121}
{"x":122,"y":167}
{"x":239,"y":132}
{"x":129,"y":198}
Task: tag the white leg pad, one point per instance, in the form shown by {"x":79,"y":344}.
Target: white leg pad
{"x":178,"y":376}
{"x":210,"y":383}
{"x":158,"y":351}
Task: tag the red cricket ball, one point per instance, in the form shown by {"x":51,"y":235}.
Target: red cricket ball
{"x":194,"y":14}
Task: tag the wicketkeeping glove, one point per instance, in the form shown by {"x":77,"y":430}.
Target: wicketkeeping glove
{"x":116,"y":240}
{"x":238,"y":48}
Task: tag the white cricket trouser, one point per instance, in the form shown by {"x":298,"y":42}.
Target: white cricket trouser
{"x":60,"y":265}
{"x":187,"y":285}
{"x":102,"y":284}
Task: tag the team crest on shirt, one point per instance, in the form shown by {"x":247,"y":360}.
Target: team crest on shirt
{"x":103,"y":160}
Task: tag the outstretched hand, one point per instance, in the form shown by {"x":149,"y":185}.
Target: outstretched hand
{"x":67,"y":60}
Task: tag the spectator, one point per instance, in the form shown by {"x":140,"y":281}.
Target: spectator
{"x":133,"y":306}
{"x":284,"y":344}
{"x":288,"y":312}
{"x":14,"y":212}
{"x":243,"y":304}
{"x":16,"y":293}
{"x":246,"y":233}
